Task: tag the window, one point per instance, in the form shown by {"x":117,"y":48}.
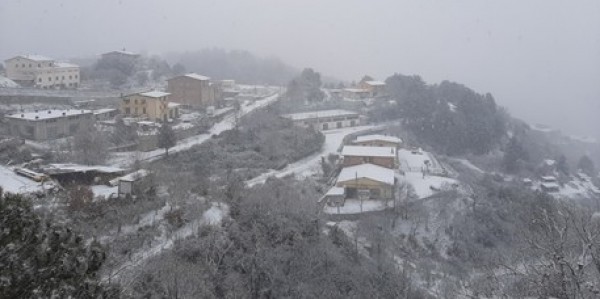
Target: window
{"x":75,"y":76}
{"x":23,"y":65}
{"x":39,"y":79}
{"x":49,"y":78}
{"x":56,"y":78}
{"x":70,"y":77}
{"x":144,"y":111}
{"x":39,"y":65}
{"x":63,"y":77}
{"x":30,"y":65}
{"x":127,"y":111}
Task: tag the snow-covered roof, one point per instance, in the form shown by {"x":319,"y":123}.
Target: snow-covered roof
{"x":335,"y":191}
{"x":368,"y":171}
{"x":134,"y":176}
{"x":69,"y":167}
{"x":549,"y":162}
{"x":121,"y":52}
{"x":173,"y":105}
{"x":48,"y":114}
{"x":549,"y":178}
{"x":38,"y":58}
{"x":104,"y":110}
{"x":550,"y":185}
{"x":154,"y":94}
{"x":375,"y":83}
{"x":319,"y":114}
{"x":356,"y":90}
{"x":197,"y":77}
{"x":369,"y":151}
{"x":378,"y":137}
{"x":65,"y":64}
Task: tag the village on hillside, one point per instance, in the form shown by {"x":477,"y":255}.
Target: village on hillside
{"x":143,"y":157}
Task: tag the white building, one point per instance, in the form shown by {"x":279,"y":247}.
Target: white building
{"x":325,"y":119}
{"x":42,"y":72}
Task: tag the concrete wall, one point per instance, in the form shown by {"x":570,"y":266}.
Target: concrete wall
{"x":49,"y":129}
{"x":193,"y":92}
{"x":329,"y":123}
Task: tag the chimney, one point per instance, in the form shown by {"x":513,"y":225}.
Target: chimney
{"x":64,"y":113}
{"x":35,"y":110}
{"x":37,"y":117}
{"x":49,"y":111}
{"x":22,"y":115}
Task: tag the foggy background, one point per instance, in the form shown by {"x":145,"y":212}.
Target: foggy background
{"x":540,"y":59}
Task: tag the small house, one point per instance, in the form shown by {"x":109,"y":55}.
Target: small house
{"x":380,"y":181}
{"x":135,"y":183}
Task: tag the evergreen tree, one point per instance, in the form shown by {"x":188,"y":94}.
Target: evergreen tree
{"x":166,"y":138}
{"x":42,"y":259}
{"x":562,"y":165}
{"x":586,"y":165}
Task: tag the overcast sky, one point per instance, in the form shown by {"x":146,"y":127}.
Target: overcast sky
{"x":540,"y":59}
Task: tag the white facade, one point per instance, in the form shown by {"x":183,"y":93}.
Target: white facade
{"x":325,"y":119}
{"x":42,"y":72}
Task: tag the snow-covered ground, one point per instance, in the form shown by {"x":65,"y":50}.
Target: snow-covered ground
{"x":424,"y":186}
{"x":7,"y":83}
{"x":104,"y":191}
{"x":311,"y":164}
{"x":13,"y":183}
{"x":413,"y":164}
{"x":353,"y":206}
{"x":470,"y":165}
{"x":416,"y":161}
{"x":126,"y":159}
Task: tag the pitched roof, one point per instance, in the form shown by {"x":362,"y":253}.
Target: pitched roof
{"x":154,"y":94}
{"x":335,"y":191}
{"x":378,"y":137}
{"x":319,"y":114}
{"x":369,"y":151}
{"x":368,"y":171}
